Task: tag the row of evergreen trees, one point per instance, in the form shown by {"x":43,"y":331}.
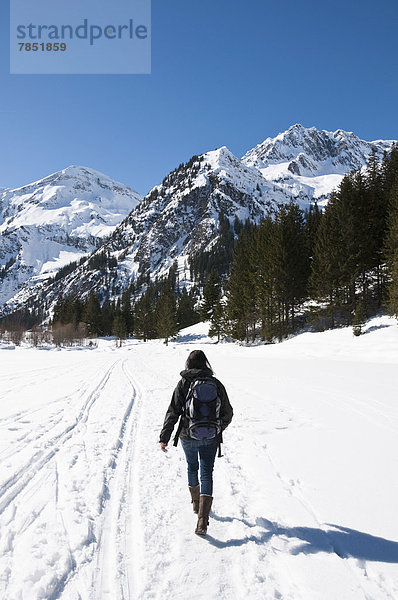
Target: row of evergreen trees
{"x":161,"y":311}
{"x":269,"y":275}
{"x":350,"y":264}
{"x":344,"y":260}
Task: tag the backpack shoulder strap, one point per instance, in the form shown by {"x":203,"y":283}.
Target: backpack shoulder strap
{"x":186,"y":389}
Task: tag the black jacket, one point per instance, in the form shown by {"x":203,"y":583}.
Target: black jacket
{"x":178,"y":399}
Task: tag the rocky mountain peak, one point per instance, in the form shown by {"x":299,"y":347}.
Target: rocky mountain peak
{"x":313,"y":152}
{"x":56,"y":220}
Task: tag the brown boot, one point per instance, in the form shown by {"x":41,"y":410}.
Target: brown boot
{"x":195,"y":493}
{"x":203,"y":515}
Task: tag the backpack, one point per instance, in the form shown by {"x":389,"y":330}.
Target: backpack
{"x":202,"y":409}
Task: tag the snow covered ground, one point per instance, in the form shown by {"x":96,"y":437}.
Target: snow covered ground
{"x":305,"y":498}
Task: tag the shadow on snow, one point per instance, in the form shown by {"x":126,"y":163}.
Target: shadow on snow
{"x":376,"y":327}
{"x":192,"y":338}
{"x":343,"y":541}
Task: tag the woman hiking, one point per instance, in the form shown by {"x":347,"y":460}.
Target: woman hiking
{"x":203,"y":405}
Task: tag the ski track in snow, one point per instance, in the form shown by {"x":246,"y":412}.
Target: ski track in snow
{"x":90,"y":509}
{"x":114,"y":566}
{"x":16,"y":484}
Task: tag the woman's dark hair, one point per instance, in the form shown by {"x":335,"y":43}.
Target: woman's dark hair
{"x":197,"y":360}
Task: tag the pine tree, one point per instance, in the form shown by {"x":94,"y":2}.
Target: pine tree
{"x":378,"y":209}
{"x":107,"y":317}
{"x":264,"y":277}
{"x":92,"y":315}
{"x":348,"y":209}
{"x":186,"y":313}
{"x":119,"y":328}
{"x":172,"y":277}
{"x":291,"y":265}
{"x":127,"y":312}
{"x":241,"y":297}
{"x":145,"y":315}
{"x":391,"y":250}
{"x":325,"y":278}
{"x":389,"y":170}
{"x":312,"y":219}
{"x":211,"y":296}
{"x":166,"y":321}
{"x":217,"y":321}
{"x":58,"y":308}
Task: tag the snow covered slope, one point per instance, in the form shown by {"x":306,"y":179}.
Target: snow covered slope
{"x":310,"y":161}
{"x":54,"y":221}
{"x":305,"y":496}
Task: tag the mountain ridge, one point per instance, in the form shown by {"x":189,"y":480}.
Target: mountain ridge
{"x":181,"y":216}
{"x":314,"y":158}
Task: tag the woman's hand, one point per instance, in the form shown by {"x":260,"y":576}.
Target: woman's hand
{"x":163,"y":446}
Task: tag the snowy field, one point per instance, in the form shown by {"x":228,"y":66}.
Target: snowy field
{"x":305,"y":498}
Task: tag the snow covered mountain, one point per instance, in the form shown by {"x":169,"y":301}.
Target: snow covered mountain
{"x":308,"y":162}
{"x":181,"y":215}
{"x":52,"y":222}
{"x":76,"y":208}
{"x":176,"y":219}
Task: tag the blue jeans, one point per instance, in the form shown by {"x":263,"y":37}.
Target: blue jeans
{"x":207,"y":450}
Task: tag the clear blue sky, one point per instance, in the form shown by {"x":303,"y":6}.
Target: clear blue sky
{"x":223,"y":73}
